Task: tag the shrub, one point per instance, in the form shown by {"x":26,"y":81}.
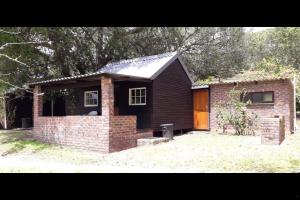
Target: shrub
{"x":233,"y":113}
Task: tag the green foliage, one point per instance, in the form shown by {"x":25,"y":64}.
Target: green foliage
{"x":233,"y":113}
{"x":216,"y":51}
{"x":78,"y":50}
{"x":281,"y":44}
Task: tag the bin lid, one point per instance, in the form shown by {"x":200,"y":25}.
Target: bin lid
{"x":167,"y":125}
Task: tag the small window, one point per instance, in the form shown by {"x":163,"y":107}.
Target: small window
{"x":90,"y":98}
{"x":137,"y":96}
{"x":259,"y":97}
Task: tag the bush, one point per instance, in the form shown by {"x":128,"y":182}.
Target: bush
{"x":233,"y":113}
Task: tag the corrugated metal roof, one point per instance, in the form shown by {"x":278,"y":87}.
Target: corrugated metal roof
{"x":143,"y":67}
{"x":65,"y":78}
{"x":230,"y":81}
{"x":196,"y":86}
{"x":146,"y":67}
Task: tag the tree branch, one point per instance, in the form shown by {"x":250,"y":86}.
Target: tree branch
{"x":17,"y":87}
{"x":9,"y":32}
{"x":21,"y":43}
{"x":14,"y":59}
{"x":5,"y":74}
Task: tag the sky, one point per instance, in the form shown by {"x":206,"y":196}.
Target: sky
{"x":256,"y":29}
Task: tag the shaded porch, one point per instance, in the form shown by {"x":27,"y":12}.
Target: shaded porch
{"x":113,"y":128}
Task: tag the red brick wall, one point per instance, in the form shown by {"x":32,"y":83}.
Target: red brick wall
{"x":84,"y":132}
{"x":122,"y":133}
{"x":106,"y":133}
{"x":283,"y":100}
{"x":272,"y":130}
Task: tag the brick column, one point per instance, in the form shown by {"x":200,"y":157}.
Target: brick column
{"x":272,"y":130}
{"x":37,"y":104}
{"x":107,"y":91}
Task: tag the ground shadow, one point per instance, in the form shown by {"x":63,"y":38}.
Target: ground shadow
{"x":20,"y":141}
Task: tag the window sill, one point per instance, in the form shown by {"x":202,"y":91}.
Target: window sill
{"x":90,"y":105}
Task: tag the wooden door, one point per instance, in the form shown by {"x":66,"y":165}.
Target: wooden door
{"x":201,"y":109}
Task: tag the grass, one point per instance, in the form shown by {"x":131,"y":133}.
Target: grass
{"x":197,"y":152}
{"x":14,"y":142}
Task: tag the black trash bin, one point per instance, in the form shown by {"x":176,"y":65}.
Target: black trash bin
{"x":167,"y":130}
{"x":26,"y":122}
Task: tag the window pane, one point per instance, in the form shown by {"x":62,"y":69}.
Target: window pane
{"x":137,"y":100}
{"x":143,"y":92}
{"x":143,"y":99}
{"x":94,"y":95}
{"x":268,"y":97}
{"x":256,"y":97}
{"x":245,"y":97}
{"x":91,"y":98}
{"x":133,"y":93}
{"x":138,"y":92}
{"x":132,"y":100}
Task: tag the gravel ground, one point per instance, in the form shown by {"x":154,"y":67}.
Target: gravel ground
{"x":195,"y":152}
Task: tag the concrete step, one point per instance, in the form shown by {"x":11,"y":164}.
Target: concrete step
{"x":151,"y":141}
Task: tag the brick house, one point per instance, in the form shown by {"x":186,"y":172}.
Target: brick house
{"x":110,"y":109}
{"x":271,"y":98}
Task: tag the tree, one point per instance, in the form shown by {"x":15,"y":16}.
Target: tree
{"x":216,"y":52}
{"x":281,"y":44}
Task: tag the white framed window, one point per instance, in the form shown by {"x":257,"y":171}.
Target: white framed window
{"x":91,"y":98}
{"x":137,"y":96}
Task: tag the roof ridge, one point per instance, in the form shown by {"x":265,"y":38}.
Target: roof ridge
{"x":142,"y":58}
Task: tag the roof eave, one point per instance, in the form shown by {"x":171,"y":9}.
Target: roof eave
{"x":156,"y":74}
{"x":176,"y":56}
{"x":233,"y":82}
{"x":113,"y":75}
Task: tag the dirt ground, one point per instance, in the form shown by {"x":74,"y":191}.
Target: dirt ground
{"x":194,"y":152}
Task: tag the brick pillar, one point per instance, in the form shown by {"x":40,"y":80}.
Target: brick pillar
{"x":37,"y":104}
{"x":272,"y":130}
{"x":107,"y":91}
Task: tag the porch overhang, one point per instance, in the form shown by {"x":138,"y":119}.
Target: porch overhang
{"x":85,"y":80}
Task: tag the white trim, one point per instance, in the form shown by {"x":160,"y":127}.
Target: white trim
{"x":130,"y":95}
{"x":176,"y":56}
{"x":89,"y":105}
{"x":195,"y":87}
{"x":165,"y":66}
{"x":185,"y":69}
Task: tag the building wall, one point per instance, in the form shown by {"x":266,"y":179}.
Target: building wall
{"x":283,"y":100}
{"x":106,"y":133}
{"x":143,"y":112}
{"x":172,"y":98}
{"x":75,"y":106}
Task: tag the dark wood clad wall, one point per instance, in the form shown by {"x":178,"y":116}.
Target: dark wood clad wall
{"x":77,"y":107}
{"x":143,"y":112}
{"x":172,"y":98}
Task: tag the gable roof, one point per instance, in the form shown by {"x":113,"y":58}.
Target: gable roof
{"x":148,"y":67}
